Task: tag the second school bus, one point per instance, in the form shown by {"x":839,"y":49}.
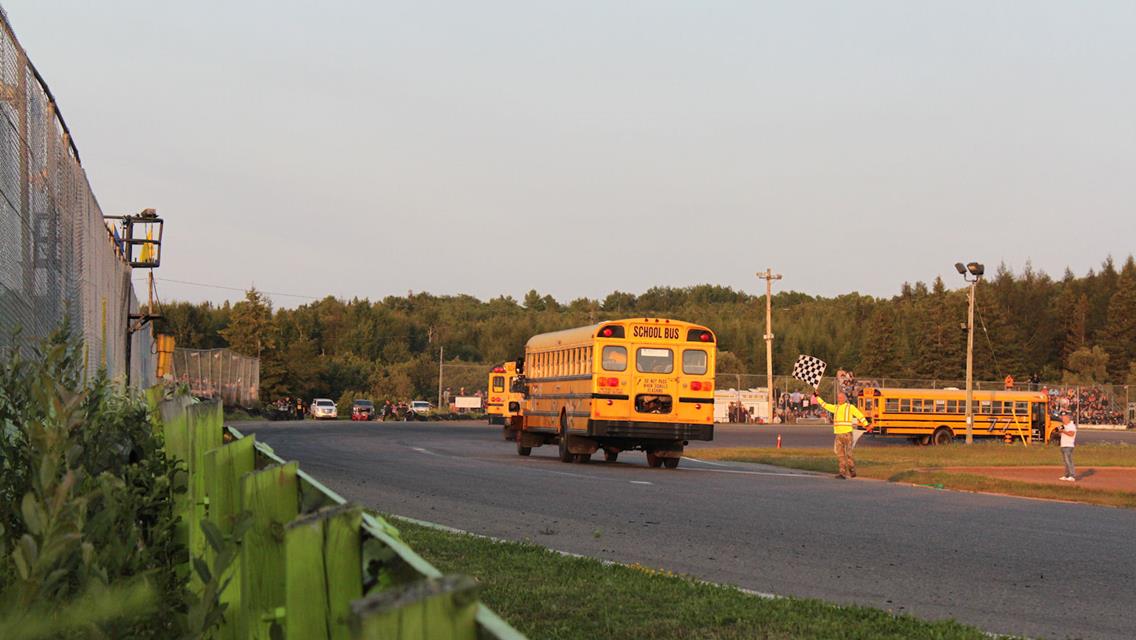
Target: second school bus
{"x":503,"y":402}
{"x":637,"y":384}
{"x":938,"y":416}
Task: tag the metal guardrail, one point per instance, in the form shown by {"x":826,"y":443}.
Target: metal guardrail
{"x":310,"y":563}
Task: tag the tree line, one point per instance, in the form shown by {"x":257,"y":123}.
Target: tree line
{"x":1073,"y":330}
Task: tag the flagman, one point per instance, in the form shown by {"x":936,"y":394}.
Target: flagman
{"x":845,"y":416}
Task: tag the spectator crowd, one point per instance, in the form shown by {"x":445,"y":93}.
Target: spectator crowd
{"x":1087,"y":405}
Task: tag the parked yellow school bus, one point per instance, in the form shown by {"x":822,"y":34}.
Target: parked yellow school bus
{"x":938,"y":416}
{"x":503,"y":401}
{"x":638,"y":384}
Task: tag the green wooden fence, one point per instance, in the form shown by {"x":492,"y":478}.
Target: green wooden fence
{"x":310,"y":564}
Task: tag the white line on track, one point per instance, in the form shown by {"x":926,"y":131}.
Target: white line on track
{"x":716,"y":464}
{"x":640,"y":482}
{"x":752,"y":473}
{"x":765,"y":473}
{"x":530,"y":468}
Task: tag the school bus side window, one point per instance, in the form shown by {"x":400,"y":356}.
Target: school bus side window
{"x":891,"y":405}
{"x":614,"y":358}
{"x":905,"y":405}
{"x":694,"y":362}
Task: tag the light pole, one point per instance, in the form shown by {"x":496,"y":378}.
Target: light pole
{"x":769,"y":277}
{"x":975,"y":269}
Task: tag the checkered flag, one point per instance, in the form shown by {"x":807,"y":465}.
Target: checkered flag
{"x":810,"y":370}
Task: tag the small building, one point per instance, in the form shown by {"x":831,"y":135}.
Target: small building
{"x":754,"y":401}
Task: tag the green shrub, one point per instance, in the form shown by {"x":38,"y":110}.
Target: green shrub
{"x":87,"y":522}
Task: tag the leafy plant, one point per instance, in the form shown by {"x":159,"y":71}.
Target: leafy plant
{"x":88,"y":527}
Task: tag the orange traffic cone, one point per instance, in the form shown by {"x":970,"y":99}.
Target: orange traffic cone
{"x":779,"y":441}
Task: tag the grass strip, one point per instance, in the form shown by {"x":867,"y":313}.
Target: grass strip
{"x":931,"y":465}
{"x":548,"y":595}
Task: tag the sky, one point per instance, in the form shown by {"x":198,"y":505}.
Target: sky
{"x":366,"y":149}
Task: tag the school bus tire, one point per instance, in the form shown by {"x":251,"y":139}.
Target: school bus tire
{"x":671,"y":463}
{"x":942,"y":436}
{"x":583,"y":458}
{"x":654,"y":460}
{"x":565,"y":454}
{"x":611,"y":455}
{"x":521,"y":449}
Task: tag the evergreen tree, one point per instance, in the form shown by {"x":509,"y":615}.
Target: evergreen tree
{"x":250,"y":329}
{"x":1120,"y":332}
{"x":533,"y":301}
{"x":879,"y":351}
{"x":1076,"y":320}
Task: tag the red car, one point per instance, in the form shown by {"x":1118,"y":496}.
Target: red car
{"x":363,"y":410}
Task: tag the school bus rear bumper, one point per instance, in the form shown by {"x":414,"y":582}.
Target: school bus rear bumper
{"x":650,"y":430}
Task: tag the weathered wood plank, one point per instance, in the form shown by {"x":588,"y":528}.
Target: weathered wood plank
{"x":343,"y":557}
{"x":272,"y":496}
{"x":224,"y":467}
{"x":443,"y":607}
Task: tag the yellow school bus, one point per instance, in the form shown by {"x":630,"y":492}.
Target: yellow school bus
{"x":503,"y":401}
{"x":938,"y":416}
{"x":638,"y":384}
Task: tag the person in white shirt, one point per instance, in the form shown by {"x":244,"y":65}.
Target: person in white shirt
{"x":1068,"y":430}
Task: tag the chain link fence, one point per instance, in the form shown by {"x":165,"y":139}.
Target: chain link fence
{"x":219,"y":373}
{"x":58,"y":259}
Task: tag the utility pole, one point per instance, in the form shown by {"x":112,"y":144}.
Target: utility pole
{"x":970,"y":365}
{"x":441,"y":352}
{"x":975,"y":270}
{"x":769,"y":277}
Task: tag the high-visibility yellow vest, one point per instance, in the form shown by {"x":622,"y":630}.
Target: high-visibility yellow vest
{"x":844,"y":416}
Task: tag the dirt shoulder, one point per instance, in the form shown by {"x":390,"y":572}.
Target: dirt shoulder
{"x":1099,"y":478}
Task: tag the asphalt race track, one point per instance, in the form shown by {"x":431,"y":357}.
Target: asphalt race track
{"x":1007,"y":565}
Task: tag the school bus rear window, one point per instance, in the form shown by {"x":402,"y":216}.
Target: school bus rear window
{"x":694,"y":362}
{"x":614,"y":358}
{"x":499,"y":384}
{"x":649,"y":360}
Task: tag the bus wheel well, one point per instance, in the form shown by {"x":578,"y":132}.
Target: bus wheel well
{"x":942,"y":436}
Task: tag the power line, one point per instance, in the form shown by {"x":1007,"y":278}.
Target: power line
{"x":228,"y":288}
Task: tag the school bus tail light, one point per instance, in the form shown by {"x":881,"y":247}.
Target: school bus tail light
{"x":611,"y":331}
{"x":696,"y":386}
